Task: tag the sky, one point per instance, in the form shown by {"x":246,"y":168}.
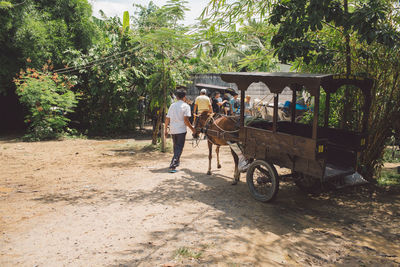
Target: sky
{"x":116,"y":7}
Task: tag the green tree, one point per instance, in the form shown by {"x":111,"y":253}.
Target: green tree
{"x":237,"y":37}
{"x":42,"y":30}
{"x":349,"y":37}
{"x":109,"y":76}
{"x":35,"y":31}
{"x":166,"y":45}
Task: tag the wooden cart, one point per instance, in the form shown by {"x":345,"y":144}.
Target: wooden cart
{"x":314,"y":153}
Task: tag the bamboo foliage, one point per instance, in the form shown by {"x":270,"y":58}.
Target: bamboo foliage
{"x":385,"y":106}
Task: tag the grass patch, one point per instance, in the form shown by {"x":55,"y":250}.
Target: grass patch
{"x":73,"y":137}
{"x":150,"y":147}
{"x":185,"y":252}
{"x":389,"y":177}
{"x":140,"y":147}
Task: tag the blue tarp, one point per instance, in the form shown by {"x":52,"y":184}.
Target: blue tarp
{"x":298,"y":106}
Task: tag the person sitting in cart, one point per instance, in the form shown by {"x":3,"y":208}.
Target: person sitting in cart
{"x":247,"y":106}
{"x":202,"y":104}
{"x":226,"y":104}
{"x":217,"y":102}
{"x":235,"y":104}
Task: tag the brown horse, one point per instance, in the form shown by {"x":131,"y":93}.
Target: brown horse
{"x":210,"y":125}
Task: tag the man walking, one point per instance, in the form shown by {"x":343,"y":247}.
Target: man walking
{"x":178,"y":118}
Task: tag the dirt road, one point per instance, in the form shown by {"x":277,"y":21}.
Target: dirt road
{"x":112,"y":203}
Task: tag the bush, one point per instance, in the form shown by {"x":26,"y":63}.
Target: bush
{"x":391,"y":154}
{"x":389,"y":177}
{"x":48,"y":99}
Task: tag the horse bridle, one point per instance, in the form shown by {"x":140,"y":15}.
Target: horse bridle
{"x":206,"y":125}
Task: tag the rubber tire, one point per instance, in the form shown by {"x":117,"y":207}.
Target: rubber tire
{"x":274,"y":180}
{"x":308,"y":184}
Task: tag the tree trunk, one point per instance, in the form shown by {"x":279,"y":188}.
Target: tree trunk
{"x":162,"y":117}
{"x":164,"y":105}
{"x":163,"y":139}
{"x":156,"y":128}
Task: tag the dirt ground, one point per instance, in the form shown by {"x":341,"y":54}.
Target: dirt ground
{"x":112,"y":203}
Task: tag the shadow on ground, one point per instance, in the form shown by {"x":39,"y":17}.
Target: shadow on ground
{"x":319,"y":230}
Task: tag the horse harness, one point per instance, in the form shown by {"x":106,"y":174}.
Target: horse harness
{"x":211,"y":121}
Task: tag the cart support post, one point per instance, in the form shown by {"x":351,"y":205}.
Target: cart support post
{"x":316,"y":110}
{"x":275,"y":118}
{"x":242,"y":107}
{"x":293,"y":104}
{"x":327,"y":108}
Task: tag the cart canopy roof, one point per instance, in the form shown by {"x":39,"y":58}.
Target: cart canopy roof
{"x":277,"y":81}
{"x":212,"y":88}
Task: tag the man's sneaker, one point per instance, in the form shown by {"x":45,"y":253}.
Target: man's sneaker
{"x":172,"y":170}
{"x":171,"y":167}
{"x":174,"y":164}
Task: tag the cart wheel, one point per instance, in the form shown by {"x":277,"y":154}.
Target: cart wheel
{"x":262,"y":180}
{"x":307,"y":183}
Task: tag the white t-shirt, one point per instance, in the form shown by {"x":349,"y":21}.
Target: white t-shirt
{"x":176,"y":113}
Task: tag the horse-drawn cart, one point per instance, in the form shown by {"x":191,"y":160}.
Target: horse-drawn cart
{"x":314,"y":153}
